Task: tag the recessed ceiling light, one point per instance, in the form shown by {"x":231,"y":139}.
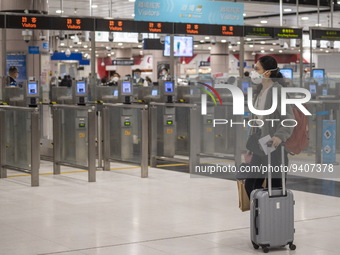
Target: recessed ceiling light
{"x":292,"y":48}
{"x":244,"y":14}
{"x":132,"y":0}
{"x":251,"y":46}
{"x":85,"y":46}
{"x":271,"y":49}
{"x":280,"y":51}
{"x":223,"y":41}
{"x":94,"y":6}
{"x":321,"y":49}
{"x":248,"y":39}
{"x":327,"y":51}
{"x":202,"y":41}
{"x":71,"y":46}
{"x":238,"y":42}
{"x":120,"y":44}
{"x":338,"y":2}
{"x":132,"y":14}
{"x":62,"y":44}
{"x":209,"y":48}
{"x":318,"y":25}
{"x":139,"y":46}
{"x":76,"y":50}
{"x":264,"y":21}
{"x":274,"y":43}
{"x":305,"y":18}
{"x":109,"y":54}
{"x":230,"y":47}
{"x":263,"y":42}
{"x":196,"y":46}
{"x":97,"y":55}
{"x":287,"y":10}
{"x":207,"y":38}
{"x":234,"y":50}
{"x":59,"y":11}
{"x":262,"y":51}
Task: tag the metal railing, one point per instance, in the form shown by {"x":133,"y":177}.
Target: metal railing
{"x":125,"y":135}
{"x":20,"y":141}
{"x":74,"y":138}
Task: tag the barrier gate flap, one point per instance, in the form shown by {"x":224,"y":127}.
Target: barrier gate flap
{"x":328,"y":141}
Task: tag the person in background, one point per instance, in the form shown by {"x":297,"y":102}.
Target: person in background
{"x":114,"y":79}
{"x":138,"y":80}
{"x":246,"y":74}
{"x":165,"y":74}
{"x":148,"y":81}
{"x":13,"y":74}
{"x":103,"y":81}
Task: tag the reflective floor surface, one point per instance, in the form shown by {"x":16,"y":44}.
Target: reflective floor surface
{"x":167,"y":213}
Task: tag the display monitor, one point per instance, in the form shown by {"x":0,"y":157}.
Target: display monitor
{"x":318,"y":73}
{"x":287,"y":73}
{"x":154,"y":92}
{"x":32,"y":88}
{"x":312,"y":89}
{"x":183,"y":46}
{"x":245,"y":86}
{"x":81,"y":87}
{"x":168,"y":87}
{"x":115,"y":92}
{"x":324,"y":92}
{"x":126,"y":87}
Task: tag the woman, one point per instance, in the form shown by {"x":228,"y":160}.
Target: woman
{"x":114,"y":79}
{"x":267,"y":75}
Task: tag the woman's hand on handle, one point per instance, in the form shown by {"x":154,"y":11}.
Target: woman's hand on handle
{"x":276,"y":141}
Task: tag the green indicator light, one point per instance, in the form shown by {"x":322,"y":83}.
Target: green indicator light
{"x":127,"y":123}
{"x":81,"y":125}
{"x":169,"y":122}
{"x":209,"y":121}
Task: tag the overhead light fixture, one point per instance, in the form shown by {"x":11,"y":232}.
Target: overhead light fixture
{"x":97,"y":55}
{"x":196,"y":46}
{"x":280,"y":51}
{"x":253,"y":53}
{"x":230,"y":47}
{"x":251,"y":46}
{"x":102,"y":63}
{"x":248,"y":39}
{"x":139,"y":46}
{"x":223,"y":41}
{"x":202,"y":41}
{"x":274,"y":43}
{"x":132,"y":14}
{"x":338,"y":2}
{"x":244,"y":14}
{"x":94,"y":6}
{"x":238,"y":42}
{"x":287,"y":10}
{"x":71,"y":46}
{"x":271,"y":49}
{"x":305,"y":18}
{"x":264,"y":21}
{"x":262,"y":51}
{"x":76,"y":50}
{"x":207,"y":38}
{"x":68,"y":52}
{"x":120,"y":44}
{"x":234,"y":50}
{"x":85,"y":46}
{"x":132,"y":1}
{"x":59,"y":11}
{"x":318,"y":25}
{"x":263,"y":42}
{"x":62,"y":44}
{"x":209,"y":48}
{"x":327,"y":51}
{"x":109,"y":54}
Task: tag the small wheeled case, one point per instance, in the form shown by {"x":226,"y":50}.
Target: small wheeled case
{"x":272,"y":215}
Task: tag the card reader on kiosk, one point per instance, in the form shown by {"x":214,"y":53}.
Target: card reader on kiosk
{"x":167,"y":90}
{"x":80,"y":92}
{"x":125,"y":91}
{"x":32,"y":93}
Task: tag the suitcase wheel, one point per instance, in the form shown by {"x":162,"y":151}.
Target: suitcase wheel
{"x":265,"y":249}
{"x":292,"y":246}
{"x":255,"y":245}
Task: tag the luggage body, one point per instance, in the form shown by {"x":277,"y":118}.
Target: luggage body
{"x":272,"y":215}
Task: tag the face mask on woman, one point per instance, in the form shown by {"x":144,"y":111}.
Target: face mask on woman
{"x":257,"y":78}
{"x":115,"y":79}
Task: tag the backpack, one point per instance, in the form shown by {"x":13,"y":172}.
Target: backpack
{"x":299,"y":139}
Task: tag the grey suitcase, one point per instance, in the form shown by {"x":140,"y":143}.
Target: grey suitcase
{"x":272,"y":215}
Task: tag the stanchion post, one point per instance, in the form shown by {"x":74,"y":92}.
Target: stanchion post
{"x":195,"y":137}
{"x":91,"y":133}
{"x":56,"y":140}
{"x":3,"y":171}
{"x":106,"y":138}
{"x":145,"y":142}
{"x":153,"y":138}
{"x":35,"y":148}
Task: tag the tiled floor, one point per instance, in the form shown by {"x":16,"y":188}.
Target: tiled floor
{"x":167,"y":213}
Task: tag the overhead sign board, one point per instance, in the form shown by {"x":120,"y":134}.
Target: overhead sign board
{"x":193,"y":11}
{"x":115,"y":25}
{"x":254,"y":31}
{"x":325,"y":34}
{"x":155,"y":27}
{"x":27,"y":22}
{"x":282,"y":32}
{"x":122,"y":62}
{"x":72,"y":23}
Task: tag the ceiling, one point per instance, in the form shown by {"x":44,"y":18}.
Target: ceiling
{"x":255,"y":12}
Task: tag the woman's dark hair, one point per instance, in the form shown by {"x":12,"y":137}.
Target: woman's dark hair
{"x":12,"y":69}
{"x":270,"y":63}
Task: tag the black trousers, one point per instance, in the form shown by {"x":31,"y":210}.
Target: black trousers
{"x":276,"y":160}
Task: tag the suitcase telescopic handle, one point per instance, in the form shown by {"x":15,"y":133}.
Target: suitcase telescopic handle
{"x":269,"y":144}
